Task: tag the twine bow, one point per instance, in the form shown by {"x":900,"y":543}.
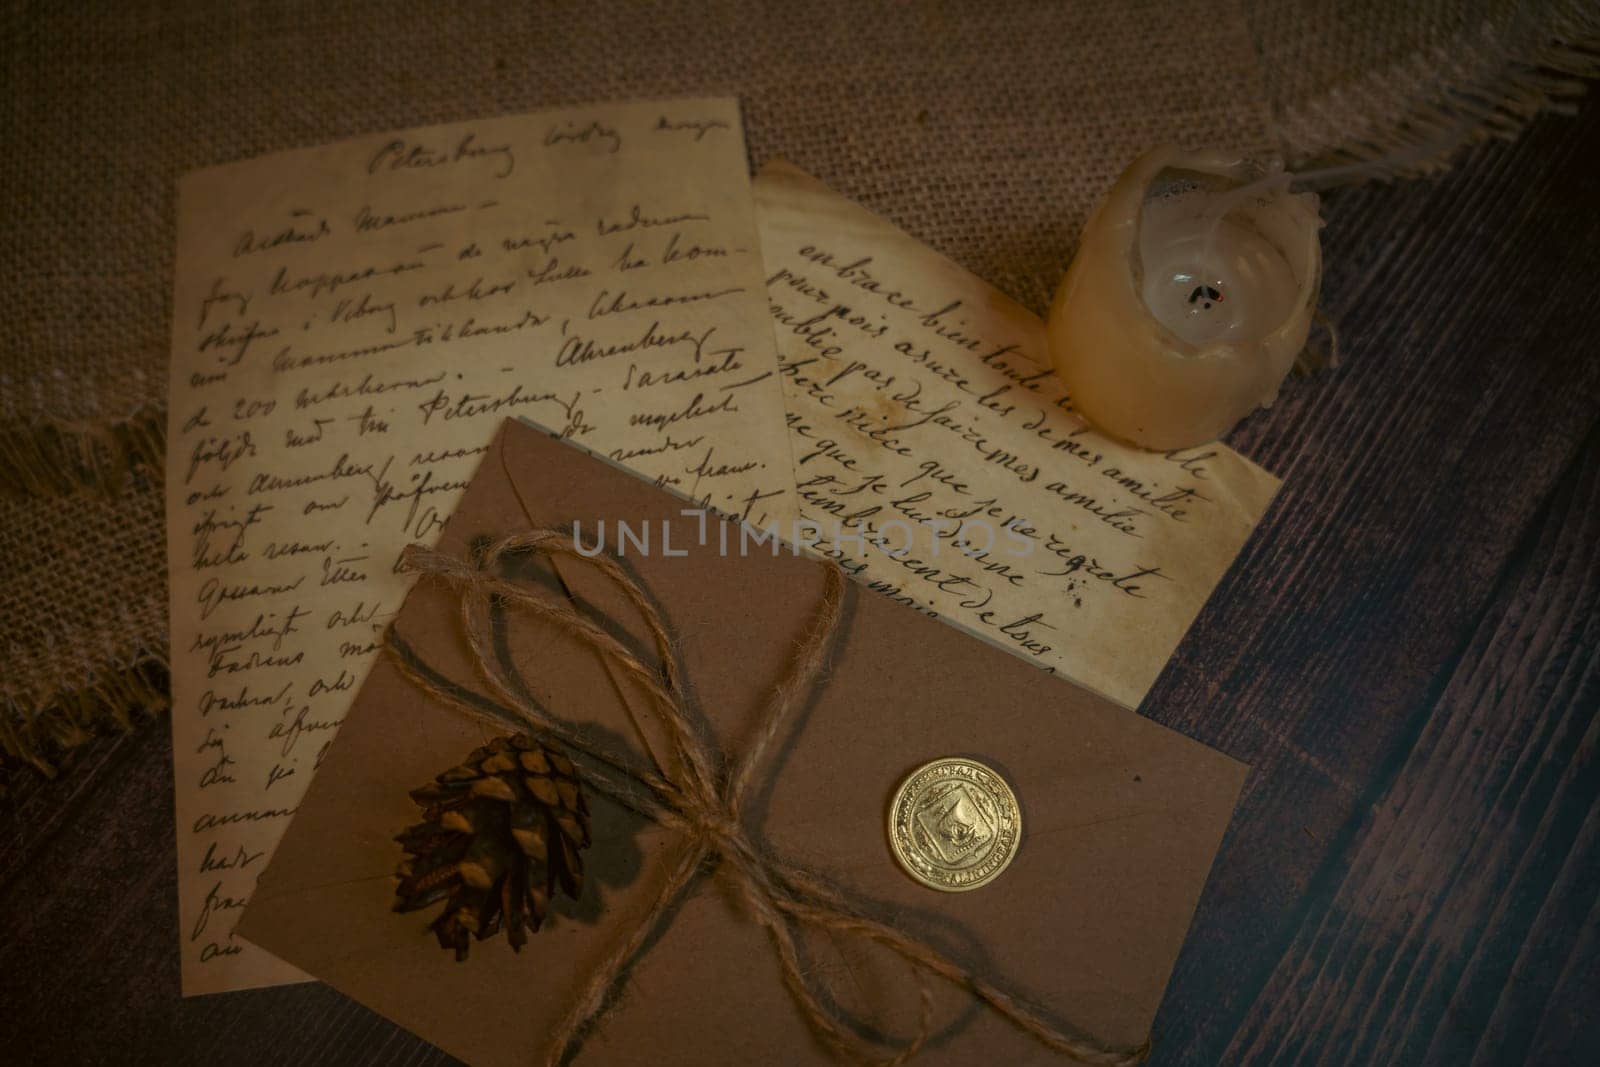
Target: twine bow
{"x":689,"y":794}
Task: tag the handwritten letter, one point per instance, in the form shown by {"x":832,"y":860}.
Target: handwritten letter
{"x":938,"y":459}
{"x":350,"y":324}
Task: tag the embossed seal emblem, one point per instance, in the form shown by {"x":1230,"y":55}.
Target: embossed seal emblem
{"x":954,"y":824}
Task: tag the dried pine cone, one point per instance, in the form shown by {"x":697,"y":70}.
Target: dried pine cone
{"x":502,"y":831}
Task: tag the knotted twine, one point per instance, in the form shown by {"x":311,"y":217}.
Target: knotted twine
{"x":687,"y":794}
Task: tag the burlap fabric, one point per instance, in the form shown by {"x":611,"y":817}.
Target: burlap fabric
{"x":1364,"y":79}
{"x":990,"y":130}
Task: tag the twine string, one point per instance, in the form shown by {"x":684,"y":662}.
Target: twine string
{"x":688,"y":796}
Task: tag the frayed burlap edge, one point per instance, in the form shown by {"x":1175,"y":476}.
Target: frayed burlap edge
{"x":53,"y":457}
{"x":42,"y":732}
{"x":1391,"y":120}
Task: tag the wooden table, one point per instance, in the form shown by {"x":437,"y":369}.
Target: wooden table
{"x":1406,"y":652}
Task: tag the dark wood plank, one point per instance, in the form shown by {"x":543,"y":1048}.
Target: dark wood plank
{"x":1412,"y":472}
{"x":1396,"y":886}
{"x":88,"y":971}
{"x":1461,"y":900}
{"x":37,"y":807}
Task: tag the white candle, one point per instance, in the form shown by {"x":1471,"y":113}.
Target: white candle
{"x":1191,"y":295}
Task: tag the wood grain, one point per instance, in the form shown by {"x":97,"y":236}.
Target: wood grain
{"x":1417,"y":479}
{"x":1461,"y":899}
{"x":1406,"y":652}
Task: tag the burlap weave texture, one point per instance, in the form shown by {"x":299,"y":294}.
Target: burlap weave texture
{"x":989,"y":130}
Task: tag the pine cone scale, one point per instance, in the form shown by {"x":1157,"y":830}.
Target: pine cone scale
{"x":494,"y":789}
{"x":544,"y":791}
{"x":501,"y":835}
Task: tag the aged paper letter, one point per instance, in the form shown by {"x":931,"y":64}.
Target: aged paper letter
{"x":939,"y":461}
{"x":350,"y":324}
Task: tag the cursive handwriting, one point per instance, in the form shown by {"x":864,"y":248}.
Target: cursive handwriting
{"x":400,"y":154}
{"x":345,"y":345}
{"x":929,"y":434}
{"x":698,"y":127}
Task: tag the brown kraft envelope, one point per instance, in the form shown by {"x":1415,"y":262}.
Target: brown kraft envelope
{"x":1121,"y":817}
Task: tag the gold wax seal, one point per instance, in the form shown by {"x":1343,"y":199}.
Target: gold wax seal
{"x":954,"y":824}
